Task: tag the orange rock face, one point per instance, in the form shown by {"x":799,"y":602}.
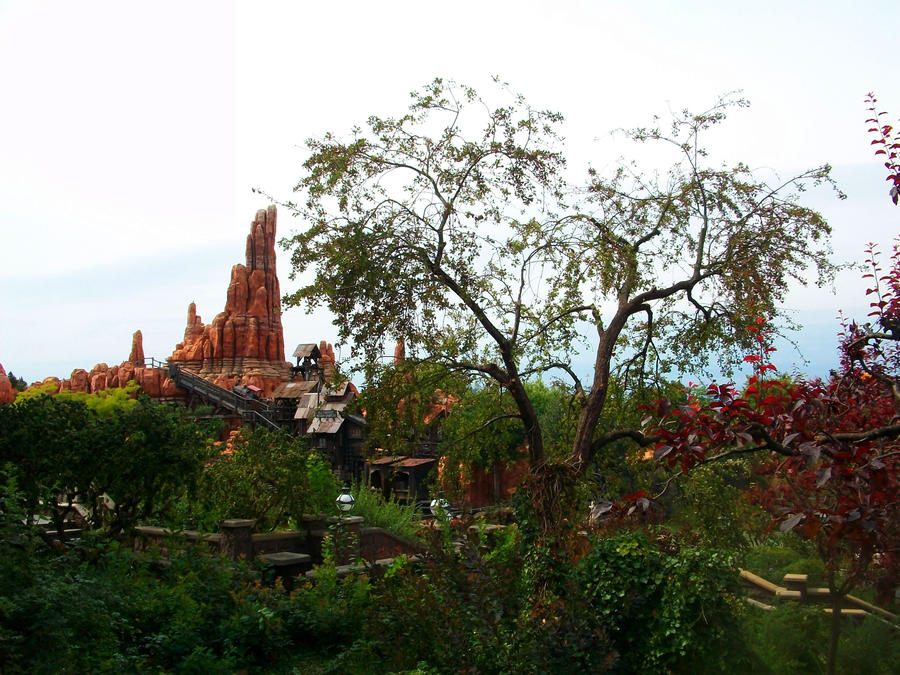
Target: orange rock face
{"x":7,"y":395}
{"x":246,"y":340}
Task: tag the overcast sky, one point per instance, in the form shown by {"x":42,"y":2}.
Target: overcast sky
{"x":131,"y":134}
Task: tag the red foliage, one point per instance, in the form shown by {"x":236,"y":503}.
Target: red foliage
{"x":833,"y":454}
{"x":888,"y":144}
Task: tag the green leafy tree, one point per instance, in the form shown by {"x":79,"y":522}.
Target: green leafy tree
{"x":151,"y":453}
{"x":18,"y":383}
{"x":452,"y":226}
{"x":266,"y":475}
{"x":115,"y":463}
{"x":404,"y":402}
{"x":49,"y":442}
{"x":484,"y":427}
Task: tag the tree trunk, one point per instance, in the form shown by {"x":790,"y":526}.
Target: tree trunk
{"x":835,"y":632}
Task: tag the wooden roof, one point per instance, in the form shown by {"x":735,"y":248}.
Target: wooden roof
{"x":293,"y":389}
{"x":307,"y":349}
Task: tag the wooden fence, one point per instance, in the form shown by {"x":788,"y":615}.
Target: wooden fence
{"x":796,"y":587}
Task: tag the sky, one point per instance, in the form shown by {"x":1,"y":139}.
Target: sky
{"x":132,"y":134}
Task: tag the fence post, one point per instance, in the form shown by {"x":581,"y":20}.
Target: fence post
{"x":237,"y":538}
{"x":797,"y":582}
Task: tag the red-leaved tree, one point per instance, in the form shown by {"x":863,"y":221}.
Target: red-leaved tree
{"x":833,"y":461}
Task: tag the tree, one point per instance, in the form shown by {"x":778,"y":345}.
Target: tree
{"x":266,"y":475}
{"x":405,"y":404}
{"x":120,"y":462}
{"x":18,"y":383}
{"x":452,"y":226}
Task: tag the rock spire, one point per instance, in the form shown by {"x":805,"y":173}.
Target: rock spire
{"x":247,"y":338}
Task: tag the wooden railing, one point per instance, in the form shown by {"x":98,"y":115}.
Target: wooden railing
{"x":251,"y":411}
{"x":796,"y":587}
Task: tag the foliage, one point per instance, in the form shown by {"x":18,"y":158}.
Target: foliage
{"x":833,"y":467}
{"x":788,"y":639}
{"x":389,"y":514}
{"x":791,"y":639}
{"x":106,"y":402}
{"x":46,"y":439}
{"x":888,"y":144}
{"x":116,"y":464}
{"x":97,"y":607}
{"x":403,"y":404}
{"x":154,"y":451}
{"x":327,"y":616}
{"x":833,"y":458}
{"x":485,"y":427}
{"x":716,"y":505}
{"x":266,"y":475}
{"x":18,"y":383}
{"x":665,"y":610}
{"x":777,"y":557}
{"x":486,"y":622}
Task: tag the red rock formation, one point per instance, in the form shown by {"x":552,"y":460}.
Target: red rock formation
{"x":154,"y":382}
{"x":98,"y":377}
{"x":7,"y":395}
{"x":137,"y":349}
{"x":47,"y":381}
{"x":244,"y":344}
{"x":125,"y":374}
{"x":79,"y":381}
{"x":246,"y":340}
{"x":326,"y":359}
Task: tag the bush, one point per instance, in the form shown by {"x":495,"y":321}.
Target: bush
{"x":267,"y":475}
{"x":770,"y":562}
{"x":792,"y":638}
{"x":400,"y":519}
{"x":468,"y":608}
{"x":664,"y":611}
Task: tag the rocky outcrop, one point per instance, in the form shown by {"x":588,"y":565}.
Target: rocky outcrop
{"x":326,"y":359}
{"x":244,"y":343}
{"x":137,"y":349}
{"x":154,"y":382}
{"x":7,"y":394}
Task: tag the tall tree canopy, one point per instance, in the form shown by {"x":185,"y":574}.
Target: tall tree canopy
{"x":453,"y":226}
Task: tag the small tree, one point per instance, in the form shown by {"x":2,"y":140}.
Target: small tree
{"x":452,"y":226}
{"x":266,"y":475}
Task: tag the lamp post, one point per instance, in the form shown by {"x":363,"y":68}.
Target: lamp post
{"x":440,"y":508}
{"x":344,"y":503}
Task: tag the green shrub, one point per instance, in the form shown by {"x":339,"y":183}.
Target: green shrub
{"x":664,"y":611}
{"x":468,"y":608}
{"x":713,"y":505}
{"x":813,"y":568}
{"x":400,"y":519}
{"x":269,"y":476}
{"x":869,"y":645}
{"x":792,"y":638}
